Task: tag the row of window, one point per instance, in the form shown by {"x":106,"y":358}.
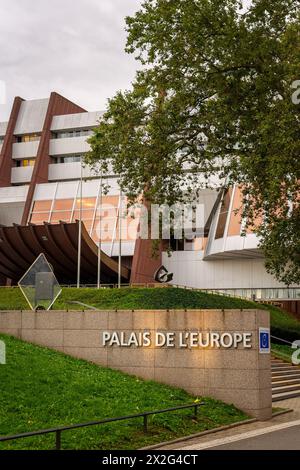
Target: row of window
{"x":68,"y":210}
{"x":55,"y":135}
{"x":68,"y":204}
{"x":68,"y":159}
{"x":69,"y":134}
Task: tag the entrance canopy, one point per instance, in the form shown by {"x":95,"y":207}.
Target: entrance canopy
{"x":21,"y":245}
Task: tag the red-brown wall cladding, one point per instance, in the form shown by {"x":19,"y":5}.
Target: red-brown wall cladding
{"x":145,"y":263}
{"x":6,"y":151}
{"x":58,"y":106}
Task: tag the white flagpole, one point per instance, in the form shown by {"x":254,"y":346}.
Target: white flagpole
{"x":120,"y":241}
{"x":80,"y":230}
{"x":100,"y":237}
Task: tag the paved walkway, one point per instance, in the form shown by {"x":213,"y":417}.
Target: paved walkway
{"x":227,"y":437}
{"x":285,"y":436}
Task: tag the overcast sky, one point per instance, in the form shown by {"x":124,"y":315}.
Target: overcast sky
{"x":74,"y":47}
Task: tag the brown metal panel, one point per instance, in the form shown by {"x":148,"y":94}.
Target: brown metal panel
{"x":144,"y":264}
{"x":60,"y":249}
{"x":5,"y":271}
{"x":87,"y":268}
{"x":7,"y":261}
{"x":37,"y":234}
{"x":17,"y":256}
{"x":18,"y":240}
{"x":58,"y":105}
{"x":6,"y":161}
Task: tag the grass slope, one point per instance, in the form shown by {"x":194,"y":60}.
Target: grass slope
{"x":283,"y":325}
{"x":129,"y":298}
{"x":41,"y":388}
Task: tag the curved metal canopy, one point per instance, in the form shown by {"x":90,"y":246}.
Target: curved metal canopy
{"x":21,"y":245}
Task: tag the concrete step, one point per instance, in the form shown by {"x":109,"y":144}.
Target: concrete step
{"x":283,"y":368}
{"x":284,"y":382}
{"x":285,"y":372}
{"x":277,"y":361}
{"x":285,"y":388}
{"x":285,"y":396}
{"x":279,"y":365}
{"x":280,"y":377}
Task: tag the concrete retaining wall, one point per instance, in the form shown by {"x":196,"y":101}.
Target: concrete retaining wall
{"x":239,"y":376}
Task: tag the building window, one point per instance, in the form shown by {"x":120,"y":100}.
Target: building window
{"x":28,"y":138}
{"x":69,"y":159}
{"x":39,"y":218}
{"x":42,"y":206}
{"x":25,"y":163}
{"x":71,"y":134}
{"x":63,"y":205}
{"x":64,"y":216}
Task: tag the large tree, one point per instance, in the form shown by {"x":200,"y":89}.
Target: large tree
{"x":214,"y":95}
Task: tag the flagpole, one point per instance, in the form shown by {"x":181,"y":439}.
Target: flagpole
{"x":80,"y":230}
{"x":120,"y":241}
{"x":100,"y":238}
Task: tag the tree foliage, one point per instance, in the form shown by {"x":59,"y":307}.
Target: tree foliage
{"x":213,"y":97}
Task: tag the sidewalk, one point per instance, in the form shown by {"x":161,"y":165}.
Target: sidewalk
{"x":193,"y":443}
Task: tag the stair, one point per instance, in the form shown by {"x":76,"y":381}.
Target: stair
{"x":285,"y":380}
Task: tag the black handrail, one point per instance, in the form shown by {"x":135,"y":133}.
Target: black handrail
{"x":58,"y":430}
{"x":281,"y":339}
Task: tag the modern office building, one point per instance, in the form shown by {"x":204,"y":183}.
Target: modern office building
{"x":45,"y":190}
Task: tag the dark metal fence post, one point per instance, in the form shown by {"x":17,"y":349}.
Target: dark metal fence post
{"x":58,"y":440}
{"x":145,"y":423}
{"x":195,"y":411}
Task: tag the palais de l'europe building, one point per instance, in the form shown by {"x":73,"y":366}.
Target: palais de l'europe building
{"x":42,"y":182}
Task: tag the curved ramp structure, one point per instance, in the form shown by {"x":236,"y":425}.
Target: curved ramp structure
{"x":21,"y":245}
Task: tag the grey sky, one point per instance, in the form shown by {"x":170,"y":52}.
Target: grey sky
{"x":75,"y":47}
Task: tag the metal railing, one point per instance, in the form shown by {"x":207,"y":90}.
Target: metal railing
{"x":252,"y":293}
{"x":281,"y":354}
{"x":282,"y":340}
{"x":59,"y":430}
{"x":267,"y":295}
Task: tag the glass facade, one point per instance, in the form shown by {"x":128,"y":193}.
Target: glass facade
{"x":235,"y":221}
{"x":100,"y":220}
{"x":223,"y":214}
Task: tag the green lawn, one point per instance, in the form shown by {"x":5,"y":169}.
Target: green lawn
{"x":41,"y":388}
{"x":283,"y":325}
